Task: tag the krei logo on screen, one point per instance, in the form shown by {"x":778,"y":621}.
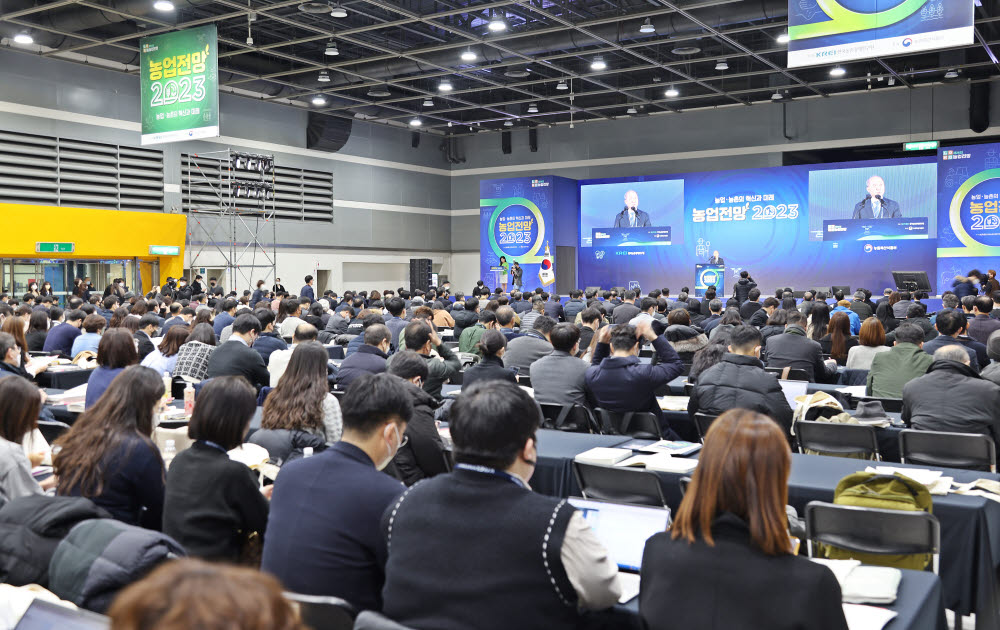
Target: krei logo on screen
{"x":869,"y":248}
{"x":956,"y":155}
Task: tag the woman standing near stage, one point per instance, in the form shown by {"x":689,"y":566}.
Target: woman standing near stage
{"x":503,"y":274}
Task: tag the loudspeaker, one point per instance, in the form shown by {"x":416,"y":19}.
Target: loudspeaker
{"x":414,"y":139}
{"x":533,"y":139}
{"x":505,"y":141}
{"x":420,"y":274}
{"x":565,"y":269}
{"x":327,"y":133}
{"x":979,"y":107}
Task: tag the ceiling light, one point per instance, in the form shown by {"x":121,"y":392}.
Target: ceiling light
{"x":324,"y":76}
{"x":319,"y":100}
{"x":532,"y":108}
{"x":776,"y":96}
{"x":379,"y":91}
{"x":951,"y":74}
{"x":508,"y":123}
{"x":331,"y":49}
{"x":24,"y":37}
{"x":598,"y":63}
{"x":562,"y":85}
{"x":839,"y":71}
{"x":163,"y":5}
{"x":515,"y":73}
{"x":647,"y":27}
{"x":416,"y":122}
{"x":722,"y":65}
{"x":468,"y":55}
{"x":428,"y":102}
{"x":445,"y":86}
{"x":686,"y":50}
{"x":497,"y":23}
{"x":672,"y":92}
{"x":631,"y":110}
{"x":783,"y":38}
{"x":337,"y":11}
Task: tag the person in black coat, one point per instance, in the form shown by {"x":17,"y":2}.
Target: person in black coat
{"x":466,"y":317}
{"x":741,"y":290}
{"x":492,"y":345}
{"x":369,"y":358}
{"x":148,"y":325}
{"x":740,"y":381}
{"x":213,"y":504}
{"x":794,"y":350}
{"x":236,"y":357}
{"x":732,"y":567}
{"x":423,"y":454}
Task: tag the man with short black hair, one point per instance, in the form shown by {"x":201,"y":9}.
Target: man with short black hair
{"x":793,"y":349}
{"x":371,"y":318}
{"x":60,"y":338}
{"x":421,"y":337}
{"x":741,"y":290}
{"x":715,"y":315}
{"x":530,"y":346}
{"x":521,"y":302}
{"x":904,"y":362}
{"x":484,"y":528}
{"x":469,"y":341}
{"x":951,"y":397}
{"x":624,"y":312}
{"x":369,"y":358}
{"x":148,"y":325}
{"x":559,"y":377}
{"x":591,"y":319}
{"x":574,"y":306}
{"x":465,"y":317}
{"x":982,"y":324}
{"x":423,"y":453}
{"x":323,"y":528}
{"x":739,"y":380}
{"x":950,"y":324}
{"x":237,"y":357}
{"x":554,"y":308}
{"x":761,"y":315}
{"x":226,"y":317}
{"x":307,"y":289}
{"x":269,"y":341}
{"x":751,"y":305}
{"x":647,"y":308}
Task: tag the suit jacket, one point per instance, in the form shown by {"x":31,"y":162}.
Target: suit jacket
{"x":366,"y":360}
{"x":793,"y":349}
{"x":307,"y":291}
{"x":235,"y":358}
{"x":864,"y":210}
{"x":980,"y":327}
{"x":525,"y":350}
{"x":716,"y":261}
{"x":641,"y":219}
{"x":559,"y":379}
{"x":734,"y":585}
{"x":145,"y":344}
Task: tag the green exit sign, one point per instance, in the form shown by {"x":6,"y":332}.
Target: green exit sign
{"x":164,"y":250}
{"x":55,"y":248}
{"x":927,"y":145}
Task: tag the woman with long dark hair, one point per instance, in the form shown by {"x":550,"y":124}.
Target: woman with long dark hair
{"x":19,"y":405}
{"x":775,"y":325}
{"x":118,"y":317}
{"x":503,"y":274}
{"x":108,"y":455}
{"x":46,"y":289}
{"x":302,"y":398}
{"x":38,"y":329}
{"x":838,"y":341}
{"x":163,"y":358}
{"x":819,"y":319}
{"x":115,"y":352}
{"x":884,"y":312}
{"x":203,"y":316}
{"x":727,"y":560}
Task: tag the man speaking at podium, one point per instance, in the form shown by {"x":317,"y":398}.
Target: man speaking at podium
{"x":716,"y":259}
{"x":875,"y":205}
{"x":631,"y":216}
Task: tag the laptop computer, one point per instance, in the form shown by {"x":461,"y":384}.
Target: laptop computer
{"x":792,"y":389}
{"x":623,"y":529}
{"x":45,"y":615}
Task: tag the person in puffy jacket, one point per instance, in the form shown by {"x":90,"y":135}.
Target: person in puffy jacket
{"x":422,"y":454}
{"x":741,"y":290}
{"x":740,"y":381}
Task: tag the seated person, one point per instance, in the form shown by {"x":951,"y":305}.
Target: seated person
{"x":116,"y":352}
{"x":739,"y":380}
{"x":492,"y":347}
{"x":212,"y":503}
{"x":20,"y":402}
{"x":237,"y":357}
{"x":871,"y":341}
{"x":369,"y":358}
{"x":278,"y":361}
{"x":421,"y":337}
{"x":950,"y":324}
{"x":560,"y":377}
{"x":423,"y":453}
{"x":794,"y":350}
{"x":468,"y":342}
{"x":93,"y":326}
{"x":727,"y":561}
{"x":530,"y":346}
{"x":323,"y":535}
{"x":837,"y":342}
{"x":951,"y":396}
{"x":904,"y":362}
{"x":61,"y":337}
{"x":483,"y":530}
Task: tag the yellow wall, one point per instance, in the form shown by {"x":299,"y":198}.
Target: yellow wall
{"x":98,"y":234}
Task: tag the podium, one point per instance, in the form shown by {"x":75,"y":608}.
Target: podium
{"x":706,"y":275}
{"x":495,"y":272}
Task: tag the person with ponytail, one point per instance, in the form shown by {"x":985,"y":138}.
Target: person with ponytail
{"x":492,"y":345}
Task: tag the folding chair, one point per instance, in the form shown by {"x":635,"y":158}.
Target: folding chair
{"x":702,"y":421}
{"x":830,"y":438}
{"x":324,"y":613}
{"x":620,"y":485}
{"x":573,"y":418}
{"x":973,"y":451}
{"x":638,"y":424}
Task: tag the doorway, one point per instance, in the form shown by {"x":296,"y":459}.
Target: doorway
{"x":16,"y":275}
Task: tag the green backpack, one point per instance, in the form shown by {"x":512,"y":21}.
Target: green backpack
{"x":887,"y":492}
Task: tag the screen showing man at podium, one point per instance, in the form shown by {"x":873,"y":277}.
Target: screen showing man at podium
{"x":634,"y":215}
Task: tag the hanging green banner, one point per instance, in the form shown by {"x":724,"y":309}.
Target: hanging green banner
{"x":180,"y":85}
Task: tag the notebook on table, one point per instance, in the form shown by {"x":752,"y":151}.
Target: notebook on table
{"x":792,"y":390}
{"x":623,"y":530}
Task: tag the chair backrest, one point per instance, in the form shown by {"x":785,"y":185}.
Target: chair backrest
{"x":324,"y":613}
{"x":371,"y":620}
{"x":701,"y":422}
{"x":467,"y":358}
{"x":638,"y":424}
{"x":873,"y":532}
{"x":894,"y":405}
{"x":684,"y":482}
{"x":793,"y":374}
{"x":52,"y":429}
{"x":573,"y":418}
{"x":524,"y":379}
{"x":952,"y":450}
{"x":830,"y":438}
{"x":619,"y":485}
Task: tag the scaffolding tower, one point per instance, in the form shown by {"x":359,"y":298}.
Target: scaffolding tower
{"x":229,"y":199}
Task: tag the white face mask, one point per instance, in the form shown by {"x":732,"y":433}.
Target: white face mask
{"x":399,"y":442}
{"x":17,"y":359}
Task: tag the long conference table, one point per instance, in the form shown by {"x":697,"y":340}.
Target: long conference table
{"x":970,"y":525}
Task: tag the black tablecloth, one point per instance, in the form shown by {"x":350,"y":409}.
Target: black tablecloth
{"x":556,"y":450}
{"x":63,"y":380}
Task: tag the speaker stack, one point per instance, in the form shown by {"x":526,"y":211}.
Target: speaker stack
{"x":420,"y":274}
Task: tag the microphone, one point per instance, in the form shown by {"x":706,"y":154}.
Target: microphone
{"x":879,"y":197}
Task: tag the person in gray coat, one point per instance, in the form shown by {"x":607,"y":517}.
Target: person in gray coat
{"x":531,"y":346}
{"x":559,"y":378}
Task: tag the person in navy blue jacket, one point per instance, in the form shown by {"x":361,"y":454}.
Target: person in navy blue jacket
{"x":307,"y":290}
{"x":617,"y":381}
{"x":60,"y":338}
{"x":323,"y":534}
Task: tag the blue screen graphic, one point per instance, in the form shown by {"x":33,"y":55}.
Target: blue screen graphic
{"x":601,"y":205}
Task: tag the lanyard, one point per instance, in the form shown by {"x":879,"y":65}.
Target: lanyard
{"x":486,"y":470}
{"x":214,"y":445}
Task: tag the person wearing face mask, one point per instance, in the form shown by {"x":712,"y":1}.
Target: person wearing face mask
{"x":183,"y":291}
{"x":424,"y":454}
{"x":369,"y":358}
{"x":236,"y":357}
{"x":739,"y":380}
{"x":323,"y":534}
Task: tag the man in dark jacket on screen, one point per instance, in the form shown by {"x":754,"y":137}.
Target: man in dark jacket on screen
{"x":740,"y":381}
